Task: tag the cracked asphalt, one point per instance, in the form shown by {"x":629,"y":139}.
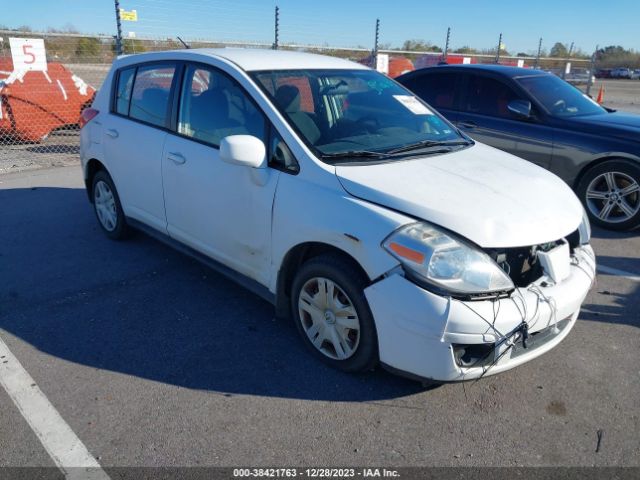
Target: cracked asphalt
{"x":154,"y":360}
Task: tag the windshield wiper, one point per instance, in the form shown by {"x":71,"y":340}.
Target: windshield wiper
{"x":427,"y":143}
{"x":355,"y":154}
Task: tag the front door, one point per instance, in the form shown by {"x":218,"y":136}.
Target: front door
{"x":219,"y":209}
{"x":484,"y":116}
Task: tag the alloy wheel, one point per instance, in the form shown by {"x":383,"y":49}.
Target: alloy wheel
{"x":613,"y":197}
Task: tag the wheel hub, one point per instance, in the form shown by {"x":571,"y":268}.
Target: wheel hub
{"x":330,"y":317}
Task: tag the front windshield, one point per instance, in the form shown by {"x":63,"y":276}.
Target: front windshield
{"x":342,"y":112}
{"x":558,"y":97}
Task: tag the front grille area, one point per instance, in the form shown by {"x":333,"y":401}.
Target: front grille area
{"x":521,"y":263}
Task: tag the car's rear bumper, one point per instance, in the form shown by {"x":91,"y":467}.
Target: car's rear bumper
{"x":423,"y":334}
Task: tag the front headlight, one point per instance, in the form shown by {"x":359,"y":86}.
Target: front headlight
{"x":584,"y":229}
{"x":434,"y":257}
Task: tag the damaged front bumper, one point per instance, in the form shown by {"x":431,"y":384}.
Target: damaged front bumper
{"x":428,"y":336}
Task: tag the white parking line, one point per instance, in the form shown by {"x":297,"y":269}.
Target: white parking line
{"x":63,"y":446}
{"x":618,"y":273}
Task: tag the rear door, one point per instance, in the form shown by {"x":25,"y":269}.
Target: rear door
{"x":484,"y":115}
{"x":438,"y":88}
{"x":134,"y":132}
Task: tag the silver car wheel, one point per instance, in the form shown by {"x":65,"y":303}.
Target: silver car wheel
{"x":613,"y":197}
{"x":105,"y":205}
{"x":329,"y":318}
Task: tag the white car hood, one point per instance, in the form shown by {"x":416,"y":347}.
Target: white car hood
{"x":488,"y":196}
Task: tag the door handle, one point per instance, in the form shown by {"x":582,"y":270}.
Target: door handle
{"x":469,"y":125}
{"x":176,"y":158}
{"x":112,"y":133}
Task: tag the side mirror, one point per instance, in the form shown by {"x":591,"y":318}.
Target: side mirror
{"x":520,"y":108}
{"x":244,"y":150}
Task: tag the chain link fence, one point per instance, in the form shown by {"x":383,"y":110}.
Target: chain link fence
{"x":39,"y":110}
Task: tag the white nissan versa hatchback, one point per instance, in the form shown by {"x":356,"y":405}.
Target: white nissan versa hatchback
{"x":331,"y":190}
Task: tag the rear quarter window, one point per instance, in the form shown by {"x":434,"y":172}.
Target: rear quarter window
{"x":123,"y":90}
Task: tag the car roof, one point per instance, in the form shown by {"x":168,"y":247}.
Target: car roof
{"x":505,"y":70}
{"x":252,"y":59}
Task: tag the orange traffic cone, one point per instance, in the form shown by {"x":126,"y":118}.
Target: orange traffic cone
{"x":600,"y":97}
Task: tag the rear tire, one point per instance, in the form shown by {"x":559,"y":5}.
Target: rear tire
{"x":332,"y":315}
{"x":610,"y":193}
{"x":107,"y":207}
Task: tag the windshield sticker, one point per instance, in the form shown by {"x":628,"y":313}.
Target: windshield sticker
{"x":413,"y":104}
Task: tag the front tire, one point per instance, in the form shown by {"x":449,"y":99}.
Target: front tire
{"x":332,"y":314}
{"x":107,"y":207}
{"x":610,"y":193}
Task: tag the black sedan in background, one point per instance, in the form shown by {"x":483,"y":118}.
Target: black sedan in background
{"x":541,"y":118}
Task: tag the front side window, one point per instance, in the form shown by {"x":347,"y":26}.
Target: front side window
{"x":213,"y":106}
{"x":353,"y":111}
{"x":488,"y":96}
{"x":150,"y":96}
{"x":558,"y":97}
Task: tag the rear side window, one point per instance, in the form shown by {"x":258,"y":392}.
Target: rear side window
{"x":150,"y":95}
{"x":488,"y":96}
{"x":123,"y":92}
{"x":438,"y":90}
{"x":213,"y":106}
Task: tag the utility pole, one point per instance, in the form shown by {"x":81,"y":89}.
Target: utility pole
{"x":119,"y":29}
{"x":446,"y":45}
{"x":375,"y":44}
{"x":498,"y":50}
{"x":277,"y":29}
{"x":539,"y":52}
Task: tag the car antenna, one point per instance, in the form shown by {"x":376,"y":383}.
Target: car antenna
{"x":186,"y":45}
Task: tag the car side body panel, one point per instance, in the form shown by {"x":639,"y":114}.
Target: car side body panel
{"x":310,"y":211}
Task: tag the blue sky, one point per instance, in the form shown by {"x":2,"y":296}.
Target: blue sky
{"x":351,"y":22}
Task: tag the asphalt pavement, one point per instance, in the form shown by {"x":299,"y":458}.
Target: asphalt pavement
{"x":154,"y":360}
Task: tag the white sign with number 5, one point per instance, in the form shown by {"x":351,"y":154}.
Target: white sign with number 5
{"x":28,"y":54}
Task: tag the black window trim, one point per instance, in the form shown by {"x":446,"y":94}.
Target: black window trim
{"x":274,"y":131}
{"x":136,"y":66}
